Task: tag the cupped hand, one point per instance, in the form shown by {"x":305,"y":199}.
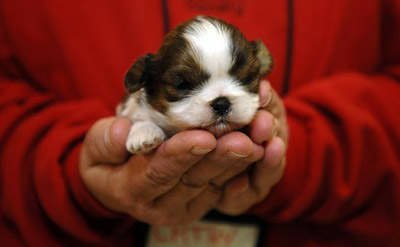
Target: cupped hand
{"x":269,"y":129}
{"x":190,"y":173}
{"x":177,"y":184}
{"x":148,"y":187}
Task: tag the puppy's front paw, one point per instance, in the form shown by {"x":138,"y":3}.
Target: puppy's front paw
{"x":144,"y":137}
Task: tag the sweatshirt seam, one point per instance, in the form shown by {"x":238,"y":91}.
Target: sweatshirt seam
{"x":289,"y":48}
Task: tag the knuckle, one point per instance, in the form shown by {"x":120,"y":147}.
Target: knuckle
{"x":191,"y":182}
{"x":92,"y":146}
{"x":215,"y":190}
{"x":240,"y":166}
{"x":183,"y":159}
{"x":158,"y":177}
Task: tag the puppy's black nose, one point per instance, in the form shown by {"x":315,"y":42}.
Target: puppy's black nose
{"x":221,"y":105}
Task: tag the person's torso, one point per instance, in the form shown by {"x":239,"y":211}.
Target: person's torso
{"x":83,"y":48}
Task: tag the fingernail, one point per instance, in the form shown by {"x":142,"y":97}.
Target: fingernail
{"x":200,"y":151}
{"x":275,"y":127}
{"x":237,"y":155}
{"x":268,"y":100}
{"x":265,"y":102}
{"x":264,"y":90}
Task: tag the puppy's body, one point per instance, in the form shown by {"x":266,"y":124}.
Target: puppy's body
{"x":205,"y":75}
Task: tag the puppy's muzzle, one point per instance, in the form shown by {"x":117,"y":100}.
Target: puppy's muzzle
{"x":221,"y":106}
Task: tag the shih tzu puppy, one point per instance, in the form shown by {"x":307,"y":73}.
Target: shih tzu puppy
{"x":205,"y":75}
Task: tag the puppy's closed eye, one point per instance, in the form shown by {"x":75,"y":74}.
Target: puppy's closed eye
{"x":205,"y":75}
{"x":178,"y":89}
{"x":181,"y":84}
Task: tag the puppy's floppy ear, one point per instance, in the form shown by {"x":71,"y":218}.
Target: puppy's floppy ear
{"x":264,"y":56}
{"x":138,"y":73}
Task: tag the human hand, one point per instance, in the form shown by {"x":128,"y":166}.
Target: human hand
{"x":269,"y":128}
{"x":169,"y":186}
{"x":146,"y":187}
{"x":271,"y":102}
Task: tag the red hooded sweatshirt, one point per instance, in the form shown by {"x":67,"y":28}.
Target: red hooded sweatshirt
{"x":337,"y":66}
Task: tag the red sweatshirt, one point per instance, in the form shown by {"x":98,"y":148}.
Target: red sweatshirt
{"x":337,"y":65}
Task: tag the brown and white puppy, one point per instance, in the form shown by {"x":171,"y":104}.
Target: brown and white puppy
{"x":205,"y":75}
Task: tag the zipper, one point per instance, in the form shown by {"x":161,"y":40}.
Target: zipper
{"x":289,"y":48}
{"x":165,"y":16}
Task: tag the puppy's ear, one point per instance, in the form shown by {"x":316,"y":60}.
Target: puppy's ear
{"x":138,"y":73}
{"x":264,"y":56}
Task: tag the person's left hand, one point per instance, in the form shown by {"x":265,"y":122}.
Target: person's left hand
{"x":269,"y":128}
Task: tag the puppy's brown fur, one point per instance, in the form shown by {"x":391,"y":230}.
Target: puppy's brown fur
{"x":172,"y":72}
{"x":205,"y":75}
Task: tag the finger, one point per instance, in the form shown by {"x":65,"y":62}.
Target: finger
{"x":188,"y":212}
{"x":194,"y":143}
{"x":104,"y":145}
{"x":263,"y":127}
{"x":275,"y":105}
{"x":184,"y":191}
{"x":178,"y":196}
{"x":105,"y":141}
{"x":171,"y":160}
{"x":265,"y":93}
{"x":268,"y":171}
{"x":232,"y":149}
{"x":237,"y":196}
{"x":238,"y":167}
{"x":283,"y":131}
{"x":243,"y":192}
{"x":198,"y":177}
{"x":204,"y":202}
{"x":238,"y":185}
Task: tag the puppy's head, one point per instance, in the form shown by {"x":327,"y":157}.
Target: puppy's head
{"x":205,"y":75}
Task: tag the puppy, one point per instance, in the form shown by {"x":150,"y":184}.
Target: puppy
{"x":205,"y":75}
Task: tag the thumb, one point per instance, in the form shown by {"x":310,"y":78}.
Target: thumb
{"x":105,"y":141}
{"x":265,"y":93}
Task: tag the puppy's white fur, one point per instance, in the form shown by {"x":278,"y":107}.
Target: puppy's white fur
{"x":211,"y":47}
{"x":211,"y":43}
{"x":195,"y":111}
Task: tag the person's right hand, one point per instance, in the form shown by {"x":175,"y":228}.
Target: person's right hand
{"x":169,"y":186}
